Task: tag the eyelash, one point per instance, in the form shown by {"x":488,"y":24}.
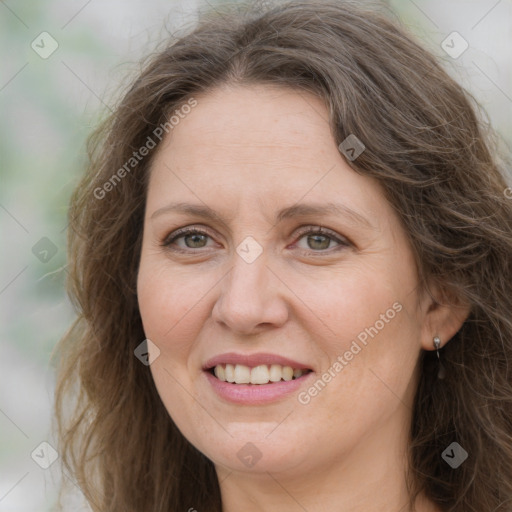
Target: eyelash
{"x":308,"y":230}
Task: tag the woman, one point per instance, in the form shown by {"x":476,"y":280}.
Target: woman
{"x":291,"y":259}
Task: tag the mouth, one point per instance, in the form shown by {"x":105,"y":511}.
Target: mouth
{"x":257,"y":375}
{"x":255,"y":379}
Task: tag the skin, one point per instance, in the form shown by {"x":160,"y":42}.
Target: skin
{"x":247,"y":152}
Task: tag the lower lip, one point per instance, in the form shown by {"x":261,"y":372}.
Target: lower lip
{"x":255,"y":394}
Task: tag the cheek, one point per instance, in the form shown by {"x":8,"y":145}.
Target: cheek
{"x":368,"y":319}
{"x":347,"y":302}
{"x":170,"y":304}
{"x":371,"y":345}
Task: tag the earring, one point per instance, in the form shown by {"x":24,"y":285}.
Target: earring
{"x":441,"y":372}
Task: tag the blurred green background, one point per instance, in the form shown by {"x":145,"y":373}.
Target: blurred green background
{"x":61,"y":67}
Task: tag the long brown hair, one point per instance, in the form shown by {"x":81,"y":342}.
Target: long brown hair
{"x":427,"y":148}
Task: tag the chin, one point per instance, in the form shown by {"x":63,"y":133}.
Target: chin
{"x":250,"y":448}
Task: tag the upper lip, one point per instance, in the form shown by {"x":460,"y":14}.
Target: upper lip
{"x":253,"y":360}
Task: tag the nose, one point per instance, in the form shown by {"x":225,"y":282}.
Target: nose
{"x":251,"y":298}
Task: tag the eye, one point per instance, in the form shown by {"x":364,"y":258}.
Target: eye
{"x":191,"y":238}
{"x":318,"y":239}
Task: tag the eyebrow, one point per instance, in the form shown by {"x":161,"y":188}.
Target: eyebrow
{"x":297,"y":210}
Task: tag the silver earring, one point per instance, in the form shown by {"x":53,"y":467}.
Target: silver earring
{"x":441,"y":372}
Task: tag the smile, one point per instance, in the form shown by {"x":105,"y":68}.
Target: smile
{"x":261,"y":374}
{"x":255,"y":379}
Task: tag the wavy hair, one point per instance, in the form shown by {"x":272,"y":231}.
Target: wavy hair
{"x":425,"y":144}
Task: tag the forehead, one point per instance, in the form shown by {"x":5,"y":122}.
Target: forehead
{"x":256,"y":144}
{"x":255,"y":121}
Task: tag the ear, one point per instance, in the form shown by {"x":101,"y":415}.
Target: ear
{"x":444,"y":314}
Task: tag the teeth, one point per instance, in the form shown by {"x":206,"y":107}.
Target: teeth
{"x":276,"y":371}
{"x":287,"y":373}
{"x":242,"y":374}
{"x":220,"y":373}
{"x":229,"y":373}
{"x":262,"y":374}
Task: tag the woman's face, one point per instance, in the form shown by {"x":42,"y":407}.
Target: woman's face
{"x":253,"y":174}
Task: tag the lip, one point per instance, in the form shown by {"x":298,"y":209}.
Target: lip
{"x":253,"y":360}
{"x":256,"y":394}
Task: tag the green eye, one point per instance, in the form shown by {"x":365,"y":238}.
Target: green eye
{"x":319,"y":239}
{"x":195,"y":240}
{"x":192,"y":238}
{"x":318,"y":242}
